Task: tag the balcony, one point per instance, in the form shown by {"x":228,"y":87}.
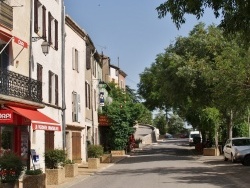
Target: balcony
{"x":17,"y":85}
{"x":6,"y":15}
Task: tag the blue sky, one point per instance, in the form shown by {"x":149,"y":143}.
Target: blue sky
{"x":129,"y":30}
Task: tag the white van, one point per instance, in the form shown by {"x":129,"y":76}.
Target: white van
{"x":192,"y":135}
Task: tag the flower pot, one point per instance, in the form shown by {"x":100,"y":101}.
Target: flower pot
{"x":34,"y":181}
{"x":118,"y":152}
{"x":93,"y":163}
{"x":55,"y":176}
{"x":71,"y":170}
{"x":106,"y":158}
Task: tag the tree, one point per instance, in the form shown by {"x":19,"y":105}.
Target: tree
{"x":235,"y":14}
{"x":160,"y":122}
{"x":175,"y":124}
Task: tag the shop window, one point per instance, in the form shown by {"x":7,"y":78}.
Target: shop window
{"x":7,"y":140}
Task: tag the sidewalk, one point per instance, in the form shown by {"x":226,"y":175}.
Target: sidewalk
{"x":84,"y":172}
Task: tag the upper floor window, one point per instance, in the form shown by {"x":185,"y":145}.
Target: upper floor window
{"x":87,"y":95}
{"x":39,"y":19}
{"x":75,"y":65}
{"x":53,"y":88}
{"x":76,"y":107}
{"x":88,"y":58}
{"x":52,"y":31}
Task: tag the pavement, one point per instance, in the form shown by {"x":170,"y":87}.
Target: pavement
{"x":84,"y":172}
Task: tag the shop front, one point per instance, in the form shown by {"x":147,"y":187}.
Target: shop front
{"x":16,"y":124}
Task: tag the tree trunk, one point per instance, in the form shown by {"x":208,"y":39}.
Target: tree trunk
{"x":230,"y":125}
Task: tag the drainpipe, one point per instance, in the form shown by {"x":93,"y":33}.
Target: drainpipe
{"x":30,"y":65}
{"x":63,"y":76}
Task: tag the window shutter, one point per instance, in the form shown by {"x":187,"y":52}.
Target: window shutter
{"x":88,"y":58}
{"x":76,"y":60}
{"x":56,"y":34}
{"x":56,"y":90}
{"x":73,"y":58}
{"x":50,"y":86}
{"x":89,"y":104}
{"x":49,"y":29}
{"x":78,"y":108}
{"x":36,"y":16}
{"x":44,"y":22}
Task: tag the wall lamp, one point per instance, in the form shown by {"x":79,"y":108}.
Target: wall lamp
{"x":45,"y":45}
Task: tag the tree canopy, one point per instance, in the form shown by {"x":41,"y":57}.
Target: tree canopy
{"x":234,"y":14}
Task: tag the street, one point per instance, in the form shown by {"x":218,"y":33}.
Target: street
{"x":169,"y":163}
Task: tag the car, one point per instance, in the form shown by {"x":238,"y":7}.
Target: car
{"x":233,"y":148}
{"x":167,"y":135}
{"x":244,"y":157}
{"x":194,"y":137}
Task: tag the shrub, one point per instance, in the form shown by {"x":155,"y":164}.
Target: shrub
{"x":95,"y":151}
{"x":68,"y":161}
{"x":11,"y":166}
{"x":33,"y":172}
{"x":54,"y":158}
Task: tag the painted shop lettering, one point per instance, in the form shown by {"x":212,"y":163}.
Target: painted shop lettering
{"x":5,"y":116}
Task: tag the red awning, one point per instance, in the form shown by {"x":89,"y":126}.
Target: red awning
{"x":6,"y":37}
{"x":39,"y":121}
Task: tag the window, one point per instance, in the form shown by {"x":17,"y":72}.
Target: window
{"x":88,"y":58}
{"x":44,"y":22}
{"x":52,"y":31}
{"x":53,"y":88}
{"x":75,"y":59}
{"x":4,"y":57}
{"x":40,"y":78}
{"x":87,"y":95}
{"x":76,"y":107}
{"x":39,"y":22}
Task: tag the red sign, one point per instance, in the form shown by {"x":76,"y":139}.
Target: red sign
{"x":103,"y":121}
{"x":6,"y":116}
{"x":20,"y":42}
{"x":41,"y":126}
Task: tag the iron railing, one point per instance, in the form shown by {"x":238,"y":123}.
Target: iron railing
{"x":17,"y":85}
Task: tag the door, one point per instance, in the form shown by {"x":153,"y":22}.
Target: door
{"x":76,"y":147}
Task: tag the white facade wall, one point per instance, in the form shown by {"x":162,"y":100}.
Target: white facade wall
{"x":75,"y":82}
{"x":50,"y":62}
{"x":113,"y":75}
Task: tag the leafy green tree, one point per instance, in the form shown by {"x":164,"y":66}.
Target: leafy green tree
{"x":175,"y":124}
{"x":160,"y":122}
{"x":235,"y":15}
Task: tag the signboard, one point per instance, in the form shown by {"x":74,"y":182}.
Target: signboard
{"x":20,"y":42}
{"x":101,"y":98}
{"x":41,"y":126}
{"x":103,"y":120}
{"x":6,"y":116}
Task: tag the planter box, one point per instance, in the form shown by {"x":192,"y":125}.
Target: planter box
{"x":211,"y":152}
{"x":55,"y":176}
{"x":9,"y":185}
{"x":71,"y":170}
{"x":106,"y":158}
{"x":93,"y":163}
{"x":34,"y":181}
{"x":118,"y":152}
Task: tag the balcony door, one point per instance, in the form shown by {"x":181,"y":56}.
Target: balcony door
{"x":4,"y":57}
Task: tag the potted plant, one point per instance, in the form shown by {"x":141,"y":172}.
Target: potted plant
{"x":94,"y":154}
{"x":54,"y":160}
{"x":71,"y":168}
{"x":34,"y":178}
{"x":11,"y":166}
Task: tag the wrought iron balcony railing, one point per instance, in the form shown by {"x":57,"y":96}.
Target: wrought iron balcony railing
{"x":17,"y":85}
{"x":6,"y":15}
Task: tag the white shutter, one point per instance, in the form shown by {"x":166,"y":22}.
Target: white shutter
{"x":79,"y":108}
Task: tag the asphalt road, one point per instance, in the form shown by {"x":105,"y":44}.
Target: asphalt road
{"x":170,"y":163}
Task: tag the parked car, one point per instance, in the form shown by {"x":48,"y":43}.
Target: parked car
{"x":244,"y":157}
{"x":167,"y":135}
{"x":194,"y":137}
{"x":234,"y":147}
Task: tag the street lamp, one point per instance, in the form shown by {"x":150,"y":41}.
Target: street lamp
{"x":45,"y":47}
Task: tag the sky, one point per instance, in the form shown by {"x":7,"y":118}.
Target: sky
{"x":129,"y":31}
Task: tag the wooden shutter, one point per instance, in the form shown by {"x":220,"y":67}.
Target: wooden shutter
{"x":78,"y":108}
{"x":76,"y":60}
{"x":76,"y":147}
{"x":36,"y":16}
{"x":50,"y":86}
{"x":73,"y":59}
{"x":49,"y":29}
{"x":56,"y":89}
{"x":49,"y":140}
{"x":86,"y":94}
{"x":89,"y":97}
{"x":88,"y":58}
{"x":56,"y":34}
{"x":44,"y":22}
